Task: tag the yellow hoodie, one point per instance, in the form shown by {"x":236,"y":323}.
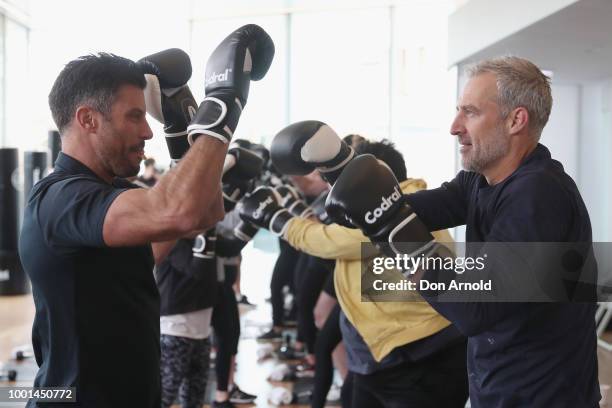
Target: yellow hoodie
{"x":383,"y":325}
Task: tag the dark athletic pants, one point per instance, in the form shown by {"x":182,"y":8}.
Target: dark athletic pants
{"x":226,"y":324}
{"x":282,"y":275}
{"x":434,"y":382}
{"x":311,"y":275}
{"x":327,"y":339}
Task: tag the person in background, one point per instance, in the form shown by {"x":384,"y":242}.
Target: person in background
{"x":150,"y":174}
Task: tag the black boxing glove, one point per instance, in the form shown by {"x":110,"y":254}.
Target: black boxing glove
{"x":368,"y":196}
{"x":243,"y":56}
{"x":291,"y":200}
{"x":167,"y":96}
{"x":263,"y":209}
{"x":305,"y":146}
{"x":240,"y":168}
{"x":204,"y":263}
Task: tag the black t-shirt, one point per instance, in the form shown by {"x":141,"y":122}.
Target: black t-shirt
{"x":186,"y":282}
{"x":520,"y":354}
{"x":97,"y":308}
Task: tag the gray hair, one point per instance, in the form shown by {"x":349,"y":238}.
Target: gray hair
{"x":520,"y":83}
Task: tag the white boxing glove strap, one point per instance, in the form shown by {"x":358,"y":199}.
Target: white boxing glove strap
{"x":177,"y":134}
{"x":233,"y":197}
{"x":216,"y":122}
{"x":280,"y":233}
{"x":204,"y":129}
{"x":398,"y":227}
{"x":208,"y":133}
{"x":339,"y":165}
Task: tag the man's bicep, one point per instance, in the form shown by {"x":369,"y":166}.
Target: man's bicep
{"x":136,"y":218}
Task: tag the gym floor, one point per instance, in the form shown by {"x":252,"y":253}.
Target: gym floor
{"x":17,"y":313}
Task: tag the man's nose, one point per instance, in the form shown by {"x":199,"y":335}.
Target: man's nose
{"x":147,"y":133}
{"x":457,"y":127}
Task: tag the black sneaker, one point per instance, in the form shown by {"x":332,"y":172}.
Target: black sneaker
{"x":245,"y":301}
{"x":224,"y":404}
{"x":237,"y":396}
{"x":271,"y":335}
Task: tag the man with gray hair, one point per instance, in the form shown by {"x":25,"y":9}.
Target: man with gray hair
{"x":520,"y":354}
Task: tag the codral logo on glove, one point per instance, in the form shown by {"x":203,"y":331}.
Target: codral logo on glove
{"x":214,"y":77}
{"x":386,"y":203}
{"x":261,"y":207}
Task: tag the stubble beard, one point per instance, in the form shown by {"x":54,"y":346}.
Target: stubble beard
{"x":485,"y":154}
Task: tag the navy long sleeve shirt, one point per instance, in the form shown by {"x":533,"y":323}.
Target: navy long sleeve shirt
{"x":520,"y":354}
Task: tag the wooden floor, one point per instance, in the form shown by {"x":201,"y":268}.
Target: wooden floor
{"x":17,"y":312}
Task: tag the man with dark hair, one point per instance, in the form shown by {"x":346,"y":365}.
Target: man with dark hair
{"x":354,"y":140}
{"x":85,"y":236}
{"x":89,"y":240}
{"x":385,"y":150}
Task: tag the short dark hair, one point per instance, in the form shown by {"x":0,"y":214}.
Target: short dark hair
{"x":385,"y":150}
{"x":92,"y":79}
{"x":149,"y":162}
{"x":353,"y":139}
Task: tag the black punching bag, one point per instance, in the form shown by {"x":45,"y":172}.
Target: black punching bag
{"x":12,"y":277}
{"x":34,"y":168}
{"x":55,"y":145}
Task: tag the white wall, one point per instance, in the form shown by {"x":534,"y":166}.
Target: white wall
{"x":561,"y":134}
{"x":63,"y":30}
{"x":595,"y":156}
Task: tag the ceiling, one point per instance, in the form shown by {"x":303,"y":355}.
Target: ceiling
{"x":210,"y":9}
{"x":574,"y":43}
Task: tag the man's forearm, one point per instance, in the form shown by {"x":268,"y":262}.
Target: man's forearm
{"x":192,"y":189}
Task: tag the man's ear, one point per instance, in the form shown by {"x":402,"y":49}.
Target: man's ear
{"x":86,"y":118}
{"x":518,"y":120}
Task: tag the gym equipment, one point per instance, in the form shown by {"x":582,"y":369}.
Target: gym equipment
{"x":12,"y":277}
{"x":8,"y":375}
{"x":34,"y":168}
{"x":55,"y":145}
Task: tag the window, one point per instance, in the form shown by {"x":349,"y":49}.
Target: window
{"x":424,"y":91}
{"x":340,"y":69}
{"x":15,"y":83}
